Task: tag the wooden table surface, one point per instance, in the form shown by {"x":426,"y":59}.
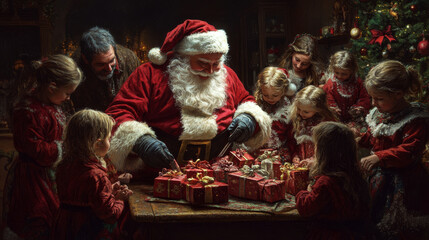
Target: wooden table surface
{"x":143,"y":211}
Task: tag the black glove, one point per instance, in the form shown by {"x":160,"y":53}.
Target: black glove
{"x":153,"y":152}
{"x":241,"y":128}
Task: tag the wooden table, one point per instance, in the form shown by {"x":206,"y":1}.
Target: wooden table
{"x":173,"y":220}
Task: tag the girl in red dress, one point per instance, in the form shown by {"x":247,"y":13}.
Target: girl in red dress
{"x":397,"y":134}
{"x":302,"y":61}
{"x":272,"y":95}
{"x":90,"y":205}
{"x":309,"y":108}
{"x":339,"y":199}
{"x":345,"y":91}
{"x":38,"y":123}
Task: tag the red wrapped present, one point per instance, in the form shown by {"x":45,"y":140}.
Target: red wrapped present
{"x":169,"y":184}
{"x":296,"y":178}
{"x":272,"y":190}
{"x":240,"y":158}
{"x":222,"y":167}
{"x":193,"y":167}
{"x":203,"y":189}
{"x":244,"y":183}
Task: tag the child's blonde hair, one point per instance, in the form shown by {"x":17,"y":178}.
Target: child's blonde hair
{"x":59,"y":69}
{"x":343,"y":60}
{"x":83,"y":129}
{"x":314,"y":97}
{"x":336,"y":156}
{"x":271,"y":77}
{"x":393,"y":77}
{"x":304,"y":44}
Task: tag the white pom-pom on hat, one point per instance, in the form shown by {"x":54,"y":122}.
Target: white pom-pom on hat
{"x":156,"y":56}
{"x":291,"y":90}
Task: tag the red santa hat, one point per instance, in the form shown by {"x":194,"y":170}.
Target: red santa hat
{"x":192,"y":37}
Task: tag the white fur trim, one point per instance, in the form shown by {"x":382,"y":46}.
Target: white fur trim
{"x":383,"y":129}
{"x":291,"y":90}
{"x":282,"y":112}
{"x":303,"y":138}
{"x":197,"y":127}
{"x":156,"y":56}
{"x":205,"y":42}
{"x":262,"y":118}
{"x":123,"y":142}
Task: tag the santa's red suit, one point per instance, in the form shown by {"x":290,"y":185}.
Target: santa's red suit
{"x":151,"y":102}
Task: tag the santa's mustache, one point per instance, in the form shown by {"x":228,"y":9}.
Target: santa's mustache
{"x":201,"y":73}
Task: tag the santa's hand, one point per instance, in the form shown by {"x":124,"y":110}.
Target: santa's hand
{"x":153,"y":152}
{"x":241,"y":128}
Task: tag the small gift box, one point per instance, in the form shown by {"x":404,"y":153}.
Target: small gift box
{"x":296,"y":178}
{"x":221,"y":168}
{"x":168,"y":184}
{"x":240,"y":158}
{"x":272,"y":190}
{"x":203,"y":189}
{"x":244,"y":183}
{"x":193,"y":167}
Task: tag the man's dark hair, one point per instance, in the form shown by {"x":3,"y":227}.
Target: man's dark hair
{"x":96,"y":40}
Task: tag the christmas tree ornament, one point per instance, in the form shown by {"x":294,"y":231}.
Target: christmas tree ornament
{"x":363,"y":51}
{"x":422,"y":47}
{"x":385,"y":54}
{"x":413,"y":8}
{"x":355,"y":33}
{"x":393,"y":12}
{"x":378,"y":36}
{"x":412,"y":49}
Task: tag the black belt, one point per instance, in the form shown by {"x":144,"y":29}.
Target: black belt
{"x":184,"y":150}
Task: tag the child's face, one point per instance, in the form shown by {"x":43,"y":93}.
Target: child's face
{"x":271,"y":95}
{"x":342,"y":74}
{"x":386,"y":102}
{"x":306,"y":111}
{"x":59,"y":95}
{"x":102,"y":146}
{"x":300,"y":62}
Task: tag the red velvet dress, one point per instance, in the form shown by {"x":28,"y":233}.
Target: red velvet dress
{"x":336,"y":217}
{"x":37,"y":133}
{"x":88,"y":208}
{"x":347,"y":95}
{"x":279,"y":127}
{"x":397,"y":184}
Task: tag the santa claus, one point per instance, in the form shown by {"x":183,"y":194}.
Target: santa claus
{"x":184,"y":104}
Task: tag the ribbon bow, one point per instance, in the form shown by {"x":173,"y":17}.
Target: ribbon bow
{"x":249,"y":171}
{"x":225,"y":165}
{"x":378,"y":36}
{"x":198,"y":164}
{"x":287,"y":168}
{"x":204,"y":180}
{"x":170,"y":173}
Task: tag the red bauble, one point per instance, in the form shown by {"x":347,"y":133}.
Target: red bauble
{"x":363,"y":51}
{"x":413,"y":8}
{"x":423,"y":47}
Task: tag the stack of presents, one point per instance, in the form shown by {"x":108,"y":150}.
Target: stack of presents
{"x":239,"y":174}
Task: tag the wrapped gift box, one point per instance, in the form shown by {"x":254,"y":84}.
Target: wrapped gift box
{"x":272,"y":190}
{"x":296,"y":178}
{"x":194,"y":167}
{"x":169,"y":184}
{"x":202,"y":190}
{"x":244,"y":184}
{"x":222,"y":167}
{"x":240,"y":158}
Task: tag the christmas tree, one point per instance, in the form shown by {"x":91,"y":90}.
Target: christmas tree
{"x":396,"y":30}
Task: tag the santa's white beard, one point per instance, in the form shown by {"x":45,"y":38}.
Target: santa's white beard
{"x":194,"y":94}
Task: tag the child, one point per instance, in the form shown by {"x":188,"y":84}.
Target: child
{"x":272,"y":92}
{"x":37,"y":131}
{"x":90,"y":205}
{"x":339,"y":198}
{"x":397,"y":134}
{"x":345,"y":91}
{"x":309,"y":108}
{"x":302,"y":61}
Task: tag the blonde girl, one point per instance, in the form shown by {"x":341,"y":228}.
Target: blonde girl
{"x":309,"y":108}
{"x":37,"y":130}
{"x":339,"y":198}
{"x":272,"y":95}
{"x":90,"y":205}
{"x":345,"y":91}
{"x":397,"y":135}
{"x":302,"y":61}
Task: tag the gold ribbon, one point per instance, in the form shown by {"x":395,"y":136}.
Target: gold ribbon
{"x":288,"y":168}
